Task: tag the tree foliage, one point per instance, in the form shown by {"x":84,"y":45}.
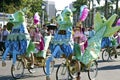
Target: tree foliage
{"x":11,"y":6}
{"x":78,"y":3}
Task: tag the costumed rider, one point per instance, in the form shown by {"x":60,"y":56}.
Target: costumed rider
{"x":102,"y":29}
{"x":37,"y":43}
{"x":110,"y":41}
{"x":18,"y":40}
{"x":80,"y":40}
{"x":62,"y":43}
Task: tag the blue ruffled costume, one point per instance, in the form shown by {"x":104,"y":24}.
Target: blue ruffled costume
{"x":62,"y":43}
{"x":18,"y":40}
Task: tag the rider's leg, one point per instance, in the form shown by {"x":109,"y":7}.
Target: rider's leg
{"x":114,"y":48}
{"x":14,"y":56}
{"x":78,"y":76}
{"x":57,"y":50}
{"x":50,"y":59}
{"x":4,"y":56}
{"x":32,"y":60}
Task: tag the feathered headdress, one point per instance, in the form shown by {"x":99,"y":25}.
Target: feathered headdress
{"x":36,"y":18}
{"x":83,"y":13}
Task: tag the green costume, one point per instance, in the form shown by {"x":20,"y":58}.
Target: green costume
{"x":102,"y":29}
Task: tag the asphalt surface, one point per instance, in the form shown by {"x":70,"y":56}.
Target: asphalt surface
{"x":109,"y":70}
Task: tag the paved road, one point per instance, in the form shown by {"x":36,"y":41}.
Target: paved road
{"x":107,"y":71}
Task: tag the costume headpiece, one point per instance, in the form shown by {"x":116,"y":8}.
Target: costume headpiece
{"x":83,"y":13}
{"x":36,"y":18}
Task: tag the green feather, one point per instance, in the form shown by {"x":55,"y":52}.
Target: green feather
{"x":98,"y":22}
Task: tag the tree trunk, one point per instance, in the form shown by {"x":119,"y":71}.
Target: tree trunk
{"x":92,"y":13}
{"x":116,"y":11}
{"x":89,"y":19}
{"x":106,"y":9}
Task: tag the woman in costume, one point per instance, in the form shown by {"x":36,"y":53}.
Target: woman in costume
{"x":62,"y":42}
{"x":18,"y":40}
{"x":80,"y":38}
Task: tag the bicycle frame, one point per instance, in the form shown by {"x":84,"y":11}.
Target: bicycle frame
{"x":39,"y":61}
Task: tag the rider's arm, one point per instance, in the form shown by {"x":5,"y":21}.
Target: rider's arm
{"x":36,"y":42}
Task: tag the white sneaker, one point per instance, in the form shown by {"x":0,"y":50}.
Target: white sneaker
{"x":32,"y":71}
{"x":32,"y":66}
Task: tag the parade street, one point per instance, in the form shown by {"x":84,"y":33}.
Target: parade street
{"x":59,"y":39}
{"x":106,"y":71}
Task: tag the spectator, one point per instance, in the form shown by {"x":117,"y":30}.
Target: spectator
{"x":44,"y":30}
{"x":1,"y":42}
{"x":91,"y":32}
{"x":5,"y":33}
{"x":86,"y":32}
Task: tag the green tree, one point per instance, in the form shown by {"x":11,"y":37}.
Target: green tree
{"x":11,"y":6}
{"x":78,"y":3}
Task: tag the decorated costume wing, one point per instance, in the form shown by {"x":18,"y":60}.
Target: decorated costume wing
{"x":103,"y":29}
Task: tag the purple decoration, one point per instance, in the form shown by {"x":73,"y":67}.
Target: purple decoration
{"x":84,"y":13}
{"x":36,"y":18}
{"x":118,"y":22}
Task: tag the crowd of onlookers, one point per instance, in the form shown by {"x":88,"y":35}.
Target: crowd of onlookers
{"x":81,"y":35}
{"x":3,"y":36}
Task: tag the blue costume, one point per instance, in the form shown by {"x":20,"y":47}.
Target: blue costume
{"x":106,"y":42}
{"x":18,"y":40}
{"x":62,"y":43}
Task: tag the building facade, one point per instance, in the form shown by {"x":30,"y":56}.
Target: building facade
{"x":50,"y":9}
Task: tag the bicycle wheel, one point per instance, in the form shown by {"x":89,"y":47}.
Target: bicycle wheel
{"x":74,"y":68}
{"x":113,"y":57}
{"x":51,"y":67}
{"x":17,"y":70}
{"x":105,"y":55}
{"x":93,"y":70}
{"x":62,"y":72}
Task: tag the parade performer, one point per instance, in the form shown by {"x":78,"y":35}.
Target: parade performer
{"x":39,"y":45}
{"x":102,"y":29}
{"x":79,"y":35}
{"x":43,"y":41}
{"x":37,"y":42}
{"x":62,"y":43}
{"x":18,"y":40}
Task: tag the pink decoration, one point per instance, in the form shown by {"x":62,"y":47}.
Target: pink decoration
{"x":118,"y":22}
{"x":36,"y":18}
{"x":84,"y":14}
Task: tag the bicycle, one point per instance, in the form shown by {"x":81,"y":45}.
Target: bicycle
{"x":70,"y":68}
{"x":24,"y":62}
{"x":64,"y":69}
{"x":110,"y":53}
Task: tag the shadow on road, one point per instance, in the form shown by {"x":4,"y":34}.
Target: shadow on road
{"x":110,"y":67}
{"x":6,"y":78}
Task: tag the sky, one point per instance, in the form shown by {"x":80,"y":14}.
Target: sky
{"x":60,"y":4}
